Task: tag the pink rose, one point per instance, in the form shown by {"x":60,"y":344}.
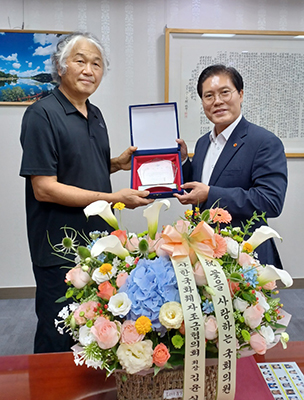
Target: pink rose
{"x":106,"y":290}
{"x":129,"y":334}
{"x":245,"y":260}
{"x":89,"y":312}
{"x":258,"y":343}
{"x":270,"y":285}
{"x":182,"y":329}
{"x":121,"y":279}
{"x":160,"y":355}
{"x":155,"y":245}
{"x":199,"y":274}
{"x":211,"y":331}
{"x":158,"y":248}
{"x":106,"y":332}
{"x":132,"y":244}
{"x":253,"y":316}
{"x":77,"y":277}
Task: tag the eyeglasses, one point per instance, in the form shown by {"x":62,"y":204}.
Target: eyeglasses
{"x":224,"y":95}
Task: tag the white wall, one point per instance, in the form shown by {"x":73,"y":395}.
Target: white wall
{"x":133,"y":34}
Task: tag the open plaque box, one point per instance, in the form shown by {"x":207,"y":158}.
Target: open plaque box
{"x":156,"y":164}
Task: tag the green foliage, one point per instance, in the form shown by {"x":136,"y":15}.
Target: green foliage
{"x":250,"y":297}
{"x":4,"y":75}
{"x":235,"y":277}
{"x":61,"y":299}
{"x":12,"y":95}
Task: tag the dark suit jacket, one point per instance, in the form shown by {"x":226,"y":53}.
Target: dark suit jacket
{"x":250,"y":175}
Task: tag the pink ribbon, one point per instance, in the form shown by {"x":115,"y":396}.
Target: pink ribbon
{"x":178,"y":244}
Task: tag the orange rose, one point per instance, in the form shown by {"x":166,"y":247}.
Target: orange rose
{"x":160,"y":355}
{"x":122,"y":235}
{"x":106,"y":290}
{"x":233,"y":287}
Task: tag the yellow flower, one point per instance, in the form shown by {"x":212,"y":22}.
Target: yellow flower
{"x":119,"y":206}
{"x":105,"y":268}
{"x":143,"y":325}
{"x":247,"y":247}
{"x":188,"y":213}
{"x":197,"y":209}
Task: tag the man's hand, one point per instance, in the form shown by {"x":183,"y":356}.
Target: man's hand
{"x":198,"y":194}
{"x":123,"y":161}
{"x":47,"y":189}
{"x":183,"y":149}
{"x":133,"y":198}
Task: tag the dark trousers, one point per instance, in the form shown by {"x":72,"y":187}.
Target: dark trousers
{"x":50,"y":287}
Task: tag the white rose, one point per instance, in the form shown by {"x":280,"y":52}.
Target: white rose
{"x":85,"y":336}
{"x":262,"y":300}
{"x":233,"y":248}
{"x":171,"y":315}
{"x":136,"y":357}
{"x":119,"y":304}
{"x":100,"y":277}
{"x":267,"y":333}
{"x":240,"y":304}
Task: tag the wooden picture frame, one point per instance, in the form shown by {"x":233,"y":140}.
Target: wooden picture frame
{"x":25,"y":65}
{"x":271,"y":64}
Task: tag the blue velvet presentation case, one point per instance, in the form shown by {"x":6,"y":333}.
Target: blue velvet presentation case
{"x":154,"y":130}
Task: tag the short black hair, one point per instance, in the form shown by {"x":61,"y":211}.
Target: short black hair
{"x":220,"y":69}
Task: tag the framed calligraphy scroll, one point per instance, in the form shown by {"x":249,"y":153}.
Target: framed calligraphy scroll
{"x":25,"y":65}
{"x":271,"y":64}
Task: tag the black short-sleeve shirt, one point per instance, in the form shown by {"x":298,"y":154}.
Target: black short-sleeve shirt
{"x":57,"y":140}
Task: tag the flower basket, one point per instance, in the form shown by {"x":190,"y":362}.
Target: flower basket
{"x":150,"y":387}
{"x":145,"y":303}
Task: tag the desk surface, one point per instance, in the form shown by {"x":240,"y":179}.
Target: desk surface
{"x":54,"y":375}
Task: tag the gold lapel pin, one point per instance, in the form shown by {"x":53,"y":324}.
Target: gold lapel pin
{"x":235,"y":144}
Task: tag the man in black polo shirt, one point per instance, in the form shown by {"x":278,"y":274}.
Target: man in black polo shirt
{"x":67,"y":165}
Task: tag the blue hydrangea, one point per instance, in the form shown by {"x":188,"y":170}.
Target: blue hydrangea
{"x":250,"y":275}
{"x":151,"y":284}
{"x":207,"y":307}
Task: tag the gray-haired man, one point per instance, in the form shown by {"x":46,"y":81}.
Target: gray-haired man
{"x":67,"y":165}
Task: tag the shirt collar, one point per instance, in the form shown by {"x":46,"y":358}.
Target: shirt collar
{"x":226,"y":132}
{"x":69,"y":108}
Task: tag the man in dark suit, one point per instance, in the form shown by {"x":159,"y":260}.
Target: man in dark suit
{"x":239,"y":164}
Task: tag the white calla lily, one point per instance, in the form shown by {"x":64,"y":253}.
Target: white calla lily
{"x":104,"y":210}
{"x":152,"y":214}
{"x":109,"y":243}
{"x":270,"y":273}
{"x":262,"y":234}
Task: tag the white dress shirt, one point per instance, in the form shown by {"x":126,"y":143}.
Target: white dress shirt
{"x":216,"y":146}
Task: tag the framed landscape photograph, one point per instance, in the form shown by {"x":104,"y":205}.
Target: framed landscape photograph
{"x":25,"y":65}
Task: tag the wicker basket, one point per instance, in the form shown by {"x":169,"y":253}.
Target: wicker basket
{"x":150,"y":387}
